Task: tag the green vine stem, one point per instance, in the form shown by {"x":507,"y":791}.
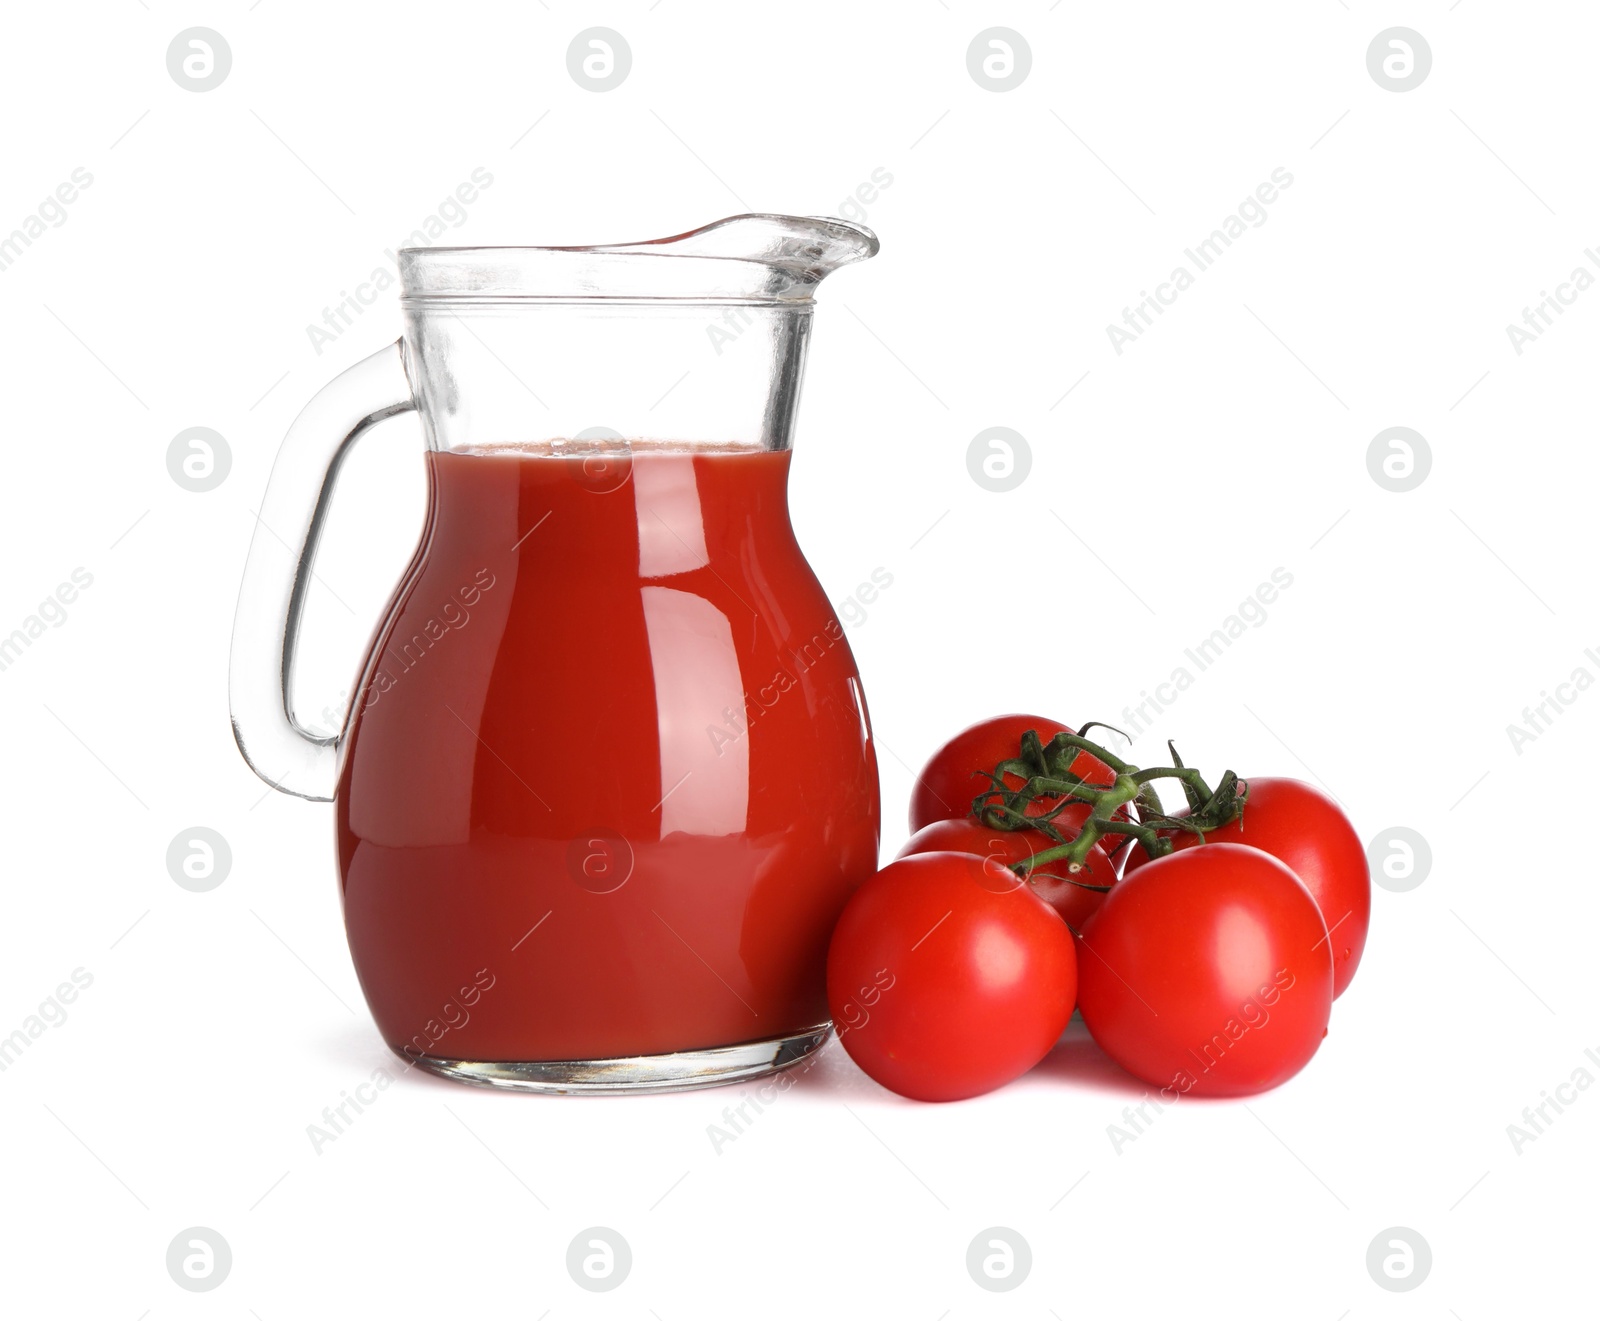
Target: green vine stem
{"x":1046,"y":773}
{"x":1068,"y":880}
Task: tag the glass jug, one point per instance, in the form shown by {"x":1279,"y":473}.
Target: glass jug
{"x":606,"y":777}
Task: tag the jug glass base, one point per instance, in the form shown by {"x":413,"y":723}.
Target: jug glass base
{"x":636,"y":1074}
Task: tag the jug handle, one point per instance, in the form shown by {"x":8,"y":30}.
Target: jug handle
{"x":278,"y":573}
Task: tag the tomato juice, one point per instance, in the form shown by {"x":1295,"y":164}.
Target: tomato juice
{"x":608,"y":779}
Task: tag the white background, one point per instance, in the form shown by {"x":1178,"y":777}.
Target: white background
{"x":1166,"y":483}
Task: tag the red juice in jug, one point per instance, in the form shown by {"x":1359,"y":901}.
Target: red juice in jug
{"x":608,"y":778}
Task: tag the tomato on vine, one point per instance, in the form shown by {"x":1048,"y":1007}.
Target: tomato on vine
{"x":1207,"y":972}
{"x":949,"y":977}
{"x":1073,"y":899}
{"x":956,"y":773}
{"x":1306,"y":830}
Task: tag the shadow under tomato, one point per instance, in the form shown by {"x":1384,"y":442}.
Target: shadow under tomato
{"x":1076,"y":1059}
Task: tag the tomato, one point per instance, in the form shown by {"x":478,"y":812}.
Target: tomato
{"x":1207,"y":973}
{"x":955,"y":774}
{"x":948,"y":977}
{"x":1305,"y":829}
{"x":1071,"y":902}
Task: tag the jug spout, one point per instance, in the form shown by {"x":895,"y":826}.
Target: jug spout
{"x":804,"y":249}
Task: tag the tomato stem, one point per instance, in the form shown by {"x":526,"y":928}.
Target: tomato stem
{"x":1025,"y":870}
{"x":1046,"y":772}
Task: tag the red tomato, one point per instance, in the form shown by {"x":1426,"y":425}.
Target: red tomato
{"x":1305,"y":829}
{"x":954,"y":775}
{"x":968,"y":835}
{"x":1207,"y":973}
{"x":948,"y":977}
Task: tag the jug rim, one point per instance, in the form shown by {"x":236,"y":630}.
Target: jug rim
{"x":751,"y":258}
